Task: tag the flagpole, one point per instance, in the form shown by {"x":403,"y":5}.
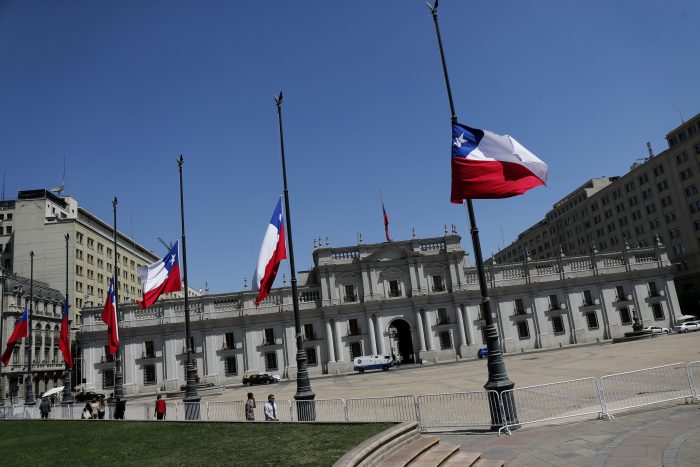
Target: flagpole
{"x":3,"y":283}
{"x":191,"y":398}
{"x":498,"y":380}
{"x":118,"y":371}
{"x":304,"y":392}
{"x":67,"y":397}
{"x":29,"y":383}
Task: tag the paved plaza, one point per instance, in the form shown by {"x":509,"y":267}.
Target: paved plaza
{"x":525,"y":369}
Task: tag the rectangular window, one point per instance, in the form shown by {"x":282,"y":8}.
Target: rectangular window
{"x":231,"y":366}
{"x":438,"y":286}
{"x":149,"y":375}
{"x":523,"y":329}
{"x":270,"y":361}
{"x":519,"y":307}
{"x":587,"y":298}
{"x":621,"y":296}
{"x":394,"y":290}
{"x":355,"y":350}
{"x":350,"y":295}
{"x":229,"y":343}
{"x":309,"y":332}
{"x":658,"y":310}
{"x":625,"y":316}
{"x":353,"y":328}
{"x":592,"y":320}
{"x":269,"y":337}
{"x":442,"y":316}
{"x":691,"y":190}
{"x":108,"y":378}
{"x":558,"y":325}
{"x":150,"y":350}
{"x":311,"y":356}
{"x":445,"y":340}
{"x":553,"y":302}
{"x":653,"y":292}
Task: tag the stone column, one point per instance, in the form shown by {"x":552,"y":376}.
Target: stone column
{"x":428,"y":331}
{"x":380,"y":336}
{"x":460,"y":325}
{"x":338,"y":342}
{"x":329,"y":341}
{"x":469,"y":325}
{"x":371,"y":335}
{"x":419,"y":331}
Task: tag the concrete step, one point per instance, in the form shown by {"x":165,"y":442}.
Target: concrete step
{"x":403,"y":456}
{"x":489,"y":463}
{"x":434,"y":456}
{"x":461,"y":459}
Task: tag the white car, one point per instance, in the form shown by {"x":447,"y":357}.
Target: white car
{"x":657,"y":330}
{"x":688,"y":326}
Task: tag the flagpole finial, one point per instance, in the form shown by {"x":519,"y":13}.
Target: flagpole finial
{"x":180,"y":161}
{"x":115,"y":202}
{"x":433,"y":7}
{"x":278,"y":100}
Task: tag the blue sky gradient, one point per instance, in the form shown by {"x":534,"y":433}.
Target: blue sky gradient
{"x":121,"y":89}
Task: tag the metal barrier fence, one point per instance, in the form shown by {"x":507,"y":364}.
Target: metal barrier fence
{"x":324,"y":410}
{"x":638,"y":388}
{"x":382,"y":409}
{"x":545,"y":402}
{"x":462,"y":409}
{"x":694,"y":372}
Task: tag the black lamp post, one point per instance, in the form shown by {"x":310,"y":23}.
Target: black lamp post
{"x":191,"y":398}
{"x":118,"y":372}
{"x":306,"y":408}
{"x":67,"y":393}
{"x":29,"y":383}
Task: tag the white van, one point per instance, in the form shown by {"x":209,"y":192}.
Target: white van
{"x":373,"y":362}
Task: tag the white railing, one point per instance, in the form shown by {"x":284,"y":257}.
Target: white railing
{"x":694,"y":374}
{"x":321,"y":410}
{"x":462,"y":409}
{"x":382,"y":409}
{"x":638,"y":388}
{"x":554,"y":401}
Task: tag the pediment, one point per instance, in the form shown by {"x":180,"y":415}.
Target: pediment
{"x":389,"y":252}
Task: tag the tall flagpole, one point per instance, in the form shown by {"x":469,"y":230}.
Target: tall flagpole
{"x":191,"y":398}
{"x":498,"y":380}
{"x":29,"y":383}
{"x":306,"y":408}
{"x":118,"y":371}
{"x":67,"y":397}
{"x":3,"y":284}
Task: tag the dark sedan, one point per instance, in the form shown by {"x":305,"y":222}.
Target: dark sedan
{"x":264,"y":378}
{"x":87,"y":396}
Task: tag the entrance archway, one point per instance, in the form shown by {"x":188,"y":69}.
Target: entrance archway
{"x":401,"y":342}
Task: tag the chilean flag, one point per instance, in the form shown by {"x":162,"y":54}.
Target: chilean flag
{"x":160,"y":277}
{"x":109,"y":316}
{"x":487,"y":165}
{"x":272,"y":252}
{"x":63,"y":338}
{"x":19,"y":332}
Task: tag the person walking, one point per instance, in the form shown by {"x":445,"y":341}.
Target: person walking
{"x":101,"y":407}
{"x":45,"y":408}
{"x":250,"y":408}
{"x":160,"y":408}
{"x":271,"y":409}
{"x":87,"y":412}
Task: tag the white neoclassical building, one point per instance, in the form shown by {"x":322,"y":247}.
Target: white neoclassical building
{"x":418,"y":299}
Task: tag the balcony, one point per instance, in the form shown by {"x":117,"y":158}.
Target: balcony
{"x":350,"y":298}
{"x":394,"y":293}
{"x":268,"y":342}
{"x":310,"y":337}
{"x":520,"y":311}
{"x":439,"y":288}
{"x":354,"y":332}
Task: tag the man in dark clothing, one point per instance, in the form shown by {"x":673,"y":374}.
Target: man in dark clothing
{"x":45,"y":408}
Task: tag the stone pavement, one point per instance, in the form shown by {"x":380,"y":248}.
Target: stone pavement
{"x":658,"y":435}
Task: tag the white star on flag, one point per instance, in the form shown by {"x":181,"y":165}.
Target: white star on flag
{"x":459,"y":140}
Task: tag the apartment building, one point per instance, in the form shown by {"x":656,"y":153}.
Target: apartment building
{"x":659,"y":197}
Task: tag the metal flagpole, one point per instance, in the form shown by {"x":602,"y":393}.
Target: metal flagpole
{"x":67,"y":397}
{"x":118,"y":371}
{"x":306,"y":408}
{"x":191,"y":398}
{"x":29,"y":383}
{"x":498,"y":380}
{"x":3,"y":284}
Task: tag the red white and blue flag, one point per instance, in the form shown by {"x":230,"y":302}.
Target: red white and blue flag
{"x":272,"y":252}
{"x":64,"y":337}
{"x":160,"y":277}
{"x":19,"y":332}
{"x":488,"y":165}
{"x":109,"y":316}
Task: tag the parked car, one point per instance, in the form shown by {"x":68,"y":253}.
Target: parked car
{"x":260,"y":378}
{"x":483,"y":352}
{"x":372,"y":362}
{"x":87,"y":396}
{"x":656,"y":330}
{"x":688,"y":326}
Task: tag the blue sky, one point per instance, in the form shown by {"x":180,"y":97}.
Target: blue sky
{"x":120,"y":89}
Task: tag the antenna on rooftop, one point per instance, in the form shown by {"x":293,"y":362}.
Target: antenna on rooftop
{"x":58,"y":189}
{"x":651,"y":151}
{"x":680,"y":115}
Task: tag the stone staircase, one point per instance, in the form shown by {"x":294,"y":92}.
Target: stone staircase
{"x":404,"y":446}
{"x":426,"y":451}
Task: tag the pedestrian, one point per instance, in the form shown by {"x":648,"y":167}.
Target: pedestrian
{"x":95,"y":406}
{"x":271,"y":409}
{"x":250,"y":408}
{"x":160,"y":408}
{"x":45,"y":407}
{"x":120,"y":407}
{"x":87,"y":412}
{"x":101,"y":407}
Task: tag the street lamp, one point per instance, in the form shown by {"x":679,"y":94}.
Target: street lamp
{"x":29,"y":383}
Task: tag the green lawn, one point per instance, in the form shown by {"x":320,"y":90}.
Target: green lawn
{"x":87,"y":442}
